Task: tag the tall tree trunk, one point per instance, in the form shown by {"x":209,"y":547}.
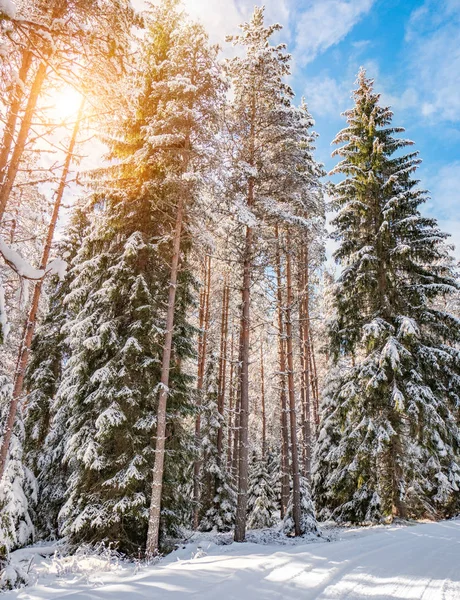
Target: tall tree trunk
{"x":243,"y":446}
{"x":262,"y":398}
{"x":304,"y":323}
{"x":222,"y":370}
{"x":158,"y":469}
{"x":13,"y":112}
{"x":399,"y":506}
{"x":29,"y":328}
{"x":283,"y":400}
{"x":12,"y":170}
{"x":230,"y":403}
{"x":236,"y":429}
{"x":243,"y":413}
{"x":314,"y":380}
{"x":296,"y":511}
{"x":202,"y":346}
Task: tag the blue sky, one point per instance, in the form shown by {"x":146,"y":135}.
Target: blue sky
{"x":412,"y":50}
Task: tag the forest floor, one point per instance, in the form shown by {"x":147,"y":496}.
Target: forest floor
{"x":416,"y":562}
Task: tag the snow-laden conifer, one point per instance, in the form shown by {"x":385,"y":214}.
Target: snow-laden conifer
{"x":17,"y":487}
{"x":119,"y":294}
{"x":389,"y":440}
{"x":274,"y":182}
{"x":218,"y":497}
{"x":262,"y":504}
{"x":45,"y":419}
{"x":308,"y":523}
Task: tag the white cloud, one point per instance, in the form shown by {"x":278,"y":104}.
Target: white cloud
{"x":222,"y":17}
{"x":326,"y":23}
{"x":312,"y":25}
{"x":445,"y":200}
{"x":433,"y":36}
{"x":445,"y":191}
{"x":327,"y":96}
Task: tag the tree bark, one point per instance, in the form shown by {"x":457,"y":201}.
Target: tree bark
{"x":158,"y":469}
{"x":314,"y":380}
{"x":12,"y":170}
{"x":236,"y":429}
{"x":202,"y":346}
{"x":13,"y":112}
{"x":304,"y":323}
{"x":283,"y":400}
{"x":296,"y":511}
{"x":243,"y":446}
{"x":29,"y":328}
{"x":222,"y":370}
{"x":230,"y":404}
{"x":262,"y":398}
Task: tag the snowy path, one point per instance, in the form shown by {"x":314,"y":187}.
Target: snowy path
{"x":420,"y":562}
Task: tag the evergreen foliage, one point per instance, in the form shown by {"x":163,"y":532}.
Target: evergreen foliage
{"x":17,"y":486}
{"x":218,"y":495}
{"x":45,"y":423}
{"x":274,"y":141}
{"x":389,"y":443}
{"x":308,"y":523}
{"x":262,"y":504}
{"x":118,"y":294}
{"x":192,"y":170}
{"x":110,"y":382}
{"x":274,"y":470}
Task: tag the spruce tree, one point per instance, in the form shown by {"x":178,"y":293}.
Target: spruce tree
{"x":262,"y":505}
{"x":308,"y":522}
{"x":45,"y":420}
{"x":119,"y":295}
{"x":274,"y":471}
{"x":389,"y":442}
{"x":108,"y":392}
{"x":17,"y":486}
{"x":218,"y":498}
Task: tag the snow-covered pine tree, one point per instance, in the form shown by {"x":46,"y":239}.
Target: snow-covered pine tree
{"x":218,"y":498}
{"x":257,"y":80}
{"x":17,"y":486}
{"x":272,"y":180}
{"x":274,"y":471}
{"x":308,"y":522}
{"x":45,"y":425}
{"x":119,"y":293}
{"x":389,"y":442}
{"x":108,"y":390}
{"x":186,"y":86}
{"x":262,"y":503}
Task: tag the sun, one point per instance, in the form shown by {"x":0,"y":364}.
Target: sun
{"x":66,"y":102}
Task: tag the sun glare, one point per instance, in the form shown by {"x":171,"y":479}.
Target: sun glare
{"x":66,"y":102}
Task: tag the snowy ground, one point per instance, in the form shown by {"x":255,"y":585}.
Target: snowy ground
{"x":420,"y":562}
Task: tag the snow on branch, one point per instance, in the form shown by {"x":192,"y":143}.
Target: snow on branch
{"x":25,"y":271}
{"x":20,"y":266}
{"x":7,"y":9}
